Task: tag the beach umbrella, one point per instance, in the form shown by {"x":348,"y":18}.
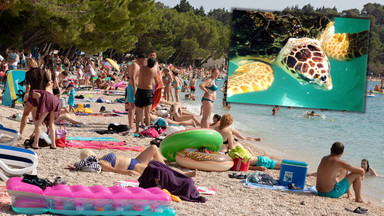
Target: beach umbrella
{"x":113,"y":64}
{"x":107,"y":64}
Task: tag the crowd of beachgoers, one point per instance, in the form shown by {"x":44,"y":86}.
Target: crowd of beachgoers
{"x":152,"y":91}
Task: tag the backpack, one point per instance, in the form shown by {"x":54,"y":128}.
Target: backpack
{"x":44,"y":140}
{"x":150,"y":132}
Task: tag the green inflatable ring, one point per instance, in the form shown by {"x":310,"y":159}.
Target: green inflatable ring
{"x":193,"y":138}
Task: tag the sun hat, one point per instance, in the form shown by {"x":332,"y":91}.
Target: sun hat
{"x":86,"y":153}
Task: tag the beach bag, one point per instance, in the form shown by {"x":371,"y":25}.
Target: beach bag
{"x":100,"y":100}
{"x":116,"y":127}
{"x":150,"y":132}
{"x":61,"y":136}
{"x":44,"y":140}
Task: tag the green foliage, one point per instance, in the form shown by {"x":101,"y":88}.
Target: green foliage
{"x":221,"y":15}
{"x":184,"y":38}
{"x":92,"y":26}
{"x":183,"y":7}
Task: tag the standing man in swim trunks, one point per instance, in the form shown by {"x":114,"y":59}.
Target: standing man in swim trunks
{"x":330,"y":171}
{"x":160,"y":86}
{"x":144,"y":94}
{"x":132,"y":76}
{"x":192,"y":84}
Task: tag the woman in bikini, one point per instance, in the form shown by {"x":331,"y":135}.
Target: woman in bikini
{"x":167,"y":80}
{"x":176,"y":84}
{"x":177,"y":115}
{"x":210,"y":88}
{"x":128,"y":166}
{"x":368,"y":170}
{"x":229,"y":134}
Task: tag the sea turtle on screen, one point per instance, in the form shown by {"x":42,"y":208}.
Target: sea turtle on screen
{"x":300,"y":46}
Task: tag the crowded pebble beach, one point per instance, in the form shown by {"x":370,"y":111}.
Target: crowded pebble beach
{"x":231,"y":198}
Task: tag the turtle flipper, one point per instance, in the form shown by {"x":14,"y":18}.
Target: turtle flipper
{"x":250,"y":76}
{"x":345,"y":46}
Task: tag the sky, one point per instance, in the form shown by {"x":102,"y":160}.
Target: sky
{"x":273,"y":4}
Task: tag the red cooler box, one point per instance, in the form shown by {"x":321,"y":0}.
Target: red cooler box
{"x":239,"y":165}
{"x":293,"y":172}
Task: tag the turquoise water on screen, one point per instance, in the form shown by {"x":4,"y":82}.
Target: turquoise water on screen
{"x":292,"y":136}
{"x":348,"y":80}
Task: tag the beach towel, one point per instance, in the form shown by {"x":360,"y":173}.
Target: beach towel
{"x":120,"y":112}
{"x":176,"y":183}
{"x":101,"y":145}
{"x":98,"y":114}
{"x":111,"y":139}
{"x":310,"y":189}
{"x":134,"y":183}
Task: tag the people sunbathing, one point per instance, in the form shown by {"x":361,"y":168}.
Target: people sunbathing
{"x":128,"y":166}
{"x":176,"y":114}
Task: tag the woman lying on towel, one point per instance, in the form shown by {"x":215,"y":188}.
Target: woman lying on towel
{"x":129,"y":166}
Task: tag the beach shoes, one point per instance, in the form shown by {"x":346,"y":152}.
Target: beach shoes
{"x":293,"y":186}
{"x":358,"y":210}
{"x":59,"y":181}
{"x":237,"y":175}
{"x":156,"y":142}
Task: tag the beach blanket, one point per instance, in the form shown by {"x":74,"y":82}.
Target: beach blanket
{"x":134,"y":183}
{"x":89,"y":92}
{"x":98,"y":114}
{"x":310,"y":189}
{"x":110,"y":139}
{"x":85,"y":100}
{"x":120,"y":112}
{"x":101,"y":145}
{"x":176,"y":183}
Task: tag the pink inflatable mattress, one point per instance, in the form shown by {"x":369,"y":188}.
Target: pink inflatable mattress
{"x":79,"y":199}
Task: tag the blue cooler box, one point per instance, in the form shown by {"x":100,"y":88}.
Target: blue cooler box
{"x":293,"y":172}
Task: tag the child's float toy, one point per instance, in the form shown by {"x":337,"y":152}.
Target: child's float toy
{"x":176,"y":147}
{"x":83,"y":108}
{"x":205,"y":161}
{"x":81,"y":200}
{"x":192,"y":138}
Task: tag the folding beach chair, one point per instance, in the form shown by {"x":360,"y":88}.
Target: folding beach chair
{"x":17,"y":161}
{"x":8,"y":136}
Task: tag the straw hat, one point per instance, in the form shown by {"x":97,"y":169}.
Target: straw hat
{"x":86,"y":153}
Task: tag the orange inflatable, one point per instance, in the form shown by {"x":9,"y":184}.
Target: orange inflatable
{"x":204,"y":161}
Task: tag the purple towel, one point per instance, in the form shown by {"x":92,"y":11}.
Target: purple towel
{"x":176,"y":183}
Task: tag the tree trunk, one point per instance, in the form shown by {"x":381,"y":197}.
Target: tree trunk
{"x":72,"y":52}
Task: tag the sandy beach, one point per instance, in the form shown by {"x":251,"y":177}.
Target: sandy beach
{"x":232,"y":198}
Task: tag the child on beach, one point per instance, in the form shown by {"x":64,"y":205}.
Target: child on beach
{"x":71,"y":97}
{"x":367,"y":169}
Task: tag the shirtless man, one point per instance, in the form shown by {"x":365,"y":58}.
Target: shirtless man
{"x":330,"y":172}
{"x":144,"y":95}
{"x":132,"y":73}
{"x":192,"y":84}
{"x":159,"y":87}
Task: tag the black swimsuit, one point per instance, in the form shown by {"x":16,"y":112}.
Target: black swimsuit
{"x":226,"y":142}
